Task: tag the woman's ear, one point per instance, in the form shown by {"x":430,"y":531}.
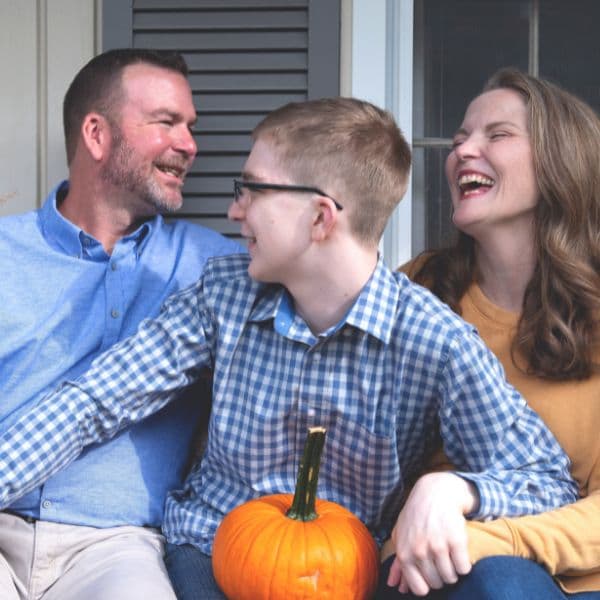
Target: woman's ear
{"x":96,"y":135}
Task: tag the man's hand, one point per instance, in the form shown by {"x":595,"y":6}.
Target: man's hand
{"x":430,"y":536}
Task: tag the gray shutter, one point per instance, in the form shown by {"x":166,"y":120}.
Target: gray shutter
{"x":246,"y":57}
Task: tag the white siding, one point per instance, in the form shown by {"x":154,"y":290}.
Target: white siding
{"x":43,"y":44}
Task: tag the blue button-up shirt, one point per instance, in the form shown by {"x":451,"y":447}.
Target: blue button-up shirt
{"x":64,"y":300}
{"x":399,"y":368}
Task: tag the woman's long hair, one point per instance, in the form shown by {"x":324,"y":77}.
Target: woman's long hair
{"x":557,"y":333}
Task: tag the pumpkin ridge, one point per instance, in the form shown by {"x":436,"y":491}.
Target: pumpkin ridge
{"x":320,"y":525}
{"x":285,"y":550}
{"x":249,"y":527}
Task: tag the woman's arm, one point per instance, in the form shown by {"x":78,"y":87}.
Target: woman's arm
{"x":565,"y":540}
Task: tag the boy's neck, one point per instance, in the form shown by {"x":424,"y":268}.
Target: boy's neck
{"x":324,"y":297}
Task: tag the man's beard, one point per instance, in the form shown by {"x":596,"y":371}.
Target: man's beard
{"x":122,"y":170}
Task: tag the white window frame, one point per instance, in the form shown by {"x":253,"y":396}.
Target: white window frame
{"x":382,"y":73}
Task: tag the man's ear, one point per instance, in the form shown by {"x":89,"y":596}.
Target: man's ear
{"x":325,"y":219}
{"x":96,"y":135}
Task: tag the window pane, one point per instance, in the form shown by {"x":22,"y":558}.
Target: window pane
{"x":458,"y":45}
{"x":569,"y":46}
{"x":432,"y":207}
{"x":462,"y":43}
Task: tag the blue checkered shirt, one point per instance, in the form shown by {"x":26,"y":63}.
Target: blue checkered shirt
{"x":400,"y":369}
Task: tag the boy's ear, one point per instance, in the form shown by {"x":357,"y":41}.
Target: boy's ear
{"x":324,"y":220}
{"x":96,"y":135}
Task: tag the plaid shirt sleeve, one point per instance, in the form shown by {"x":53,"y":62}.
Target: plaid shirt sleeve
{"x":498,"y":443}
{"x":129,"y":382}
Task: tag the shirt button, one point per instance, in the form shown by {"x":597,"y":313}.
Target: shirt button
{"x":114,"y":313}
{"x":113,"y":266}
{"x":46,"y":504}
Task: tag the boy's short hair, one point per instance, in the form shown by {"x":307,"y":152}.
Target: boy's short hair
{"x":346,"y":145}
{"x":97,"y":86}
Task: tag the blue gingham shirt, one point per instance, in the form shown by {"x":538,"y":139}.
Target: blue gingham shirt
{"x":399,"y":368}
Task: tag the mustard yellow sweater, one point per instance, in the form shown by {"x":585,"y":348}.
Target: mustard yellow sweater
{"x":566,"y":540}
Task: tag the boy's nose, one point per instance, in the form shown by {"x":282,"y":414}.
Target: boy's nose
{"x":235,"y":212}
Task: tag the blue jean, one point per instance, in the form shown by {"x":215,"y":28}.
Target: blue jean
{"x":494,"y":578}
{"x":191,"y":573}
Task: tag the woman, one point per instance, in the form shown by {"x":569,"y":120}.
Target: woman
{"x":524,"y":176}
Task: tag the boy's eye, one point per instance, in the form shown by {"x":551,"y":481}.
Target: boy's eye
{"x":457,"y":142}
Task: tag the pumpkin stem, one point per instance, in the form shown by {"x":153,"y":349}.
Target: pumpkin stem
{"x":303,"y":505}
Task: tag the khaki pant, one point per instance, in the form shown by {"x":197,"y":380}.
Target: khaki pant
{"x":50,"y":561}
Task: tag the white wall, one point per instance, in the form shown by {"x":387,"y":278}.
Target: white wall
{"x":43,"y":44}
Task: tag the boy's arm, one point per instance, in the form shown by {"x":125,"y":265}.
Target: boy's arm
{"x":496,"y":440}
{"x":502,"y":447}
{"x":129,"y":382}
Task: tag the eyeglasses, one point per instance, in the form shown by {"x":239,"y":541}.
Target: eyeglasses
{"x":255,"y":185}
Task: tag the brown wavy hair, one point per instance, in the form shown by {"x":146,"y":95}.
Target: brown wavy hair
{"x":557,"y":332}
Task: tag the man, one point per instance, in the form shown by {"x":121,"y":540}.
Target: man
{"x":79,"y":275}
{"x":310,"y":329}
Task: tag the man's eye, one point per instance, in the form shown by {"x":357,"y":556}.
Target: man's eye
{"x":457,"y":142}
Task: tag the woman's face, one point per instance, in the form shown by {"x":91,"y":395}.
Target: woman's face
{"x":490,"y":169}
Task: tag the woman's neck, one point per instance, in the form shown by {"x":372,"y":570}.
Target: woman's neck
{"x":505,"y":268}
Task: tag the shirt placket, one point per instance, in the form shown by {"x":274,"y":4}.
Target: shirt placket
{"x":314,"y":393}
{"x":117,"y":282}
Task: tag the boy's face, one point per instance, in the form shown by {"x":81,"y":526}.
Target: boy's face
{"x":275,"y":223}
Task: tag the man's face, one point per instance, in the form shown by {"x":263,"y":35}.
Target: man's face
{"x":152,"y":146}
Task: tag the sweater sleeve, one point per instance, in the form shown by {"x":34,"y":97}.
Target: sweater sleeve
{"x":566,"y":540}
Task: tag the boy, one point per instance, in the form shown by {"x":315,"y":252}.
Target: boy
{"x":310,"y":329}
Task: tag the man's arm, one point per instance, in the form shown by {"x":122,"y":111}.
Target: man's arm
{"x":126,"y":384}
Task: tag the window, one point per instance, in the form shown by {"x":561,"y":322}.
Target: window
{"x":458,"y":44}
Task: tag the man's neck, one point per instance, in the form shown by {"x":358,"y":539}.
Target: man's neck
{"x":106,"y":221}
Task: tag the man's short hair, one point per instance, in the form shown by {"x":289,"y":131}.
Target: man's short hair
{"x":97,"y":86}
{"x":348,"y":145}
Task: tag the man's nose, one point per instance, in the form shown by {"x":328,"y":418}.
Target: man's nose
{"x":185,"y":142}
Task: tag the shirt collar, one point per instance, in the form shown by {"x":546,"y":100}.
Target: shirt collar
{"x":373,"y":312}
{"x":375,"y":308}
{"x":71,"y":239}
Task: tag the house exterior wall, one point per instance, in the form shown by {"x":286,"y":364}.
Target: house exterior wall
{"x":61,"y":37}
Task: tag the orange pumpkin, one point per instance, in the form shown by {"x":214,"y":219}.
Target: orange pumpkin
{"x":284,"y":547}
